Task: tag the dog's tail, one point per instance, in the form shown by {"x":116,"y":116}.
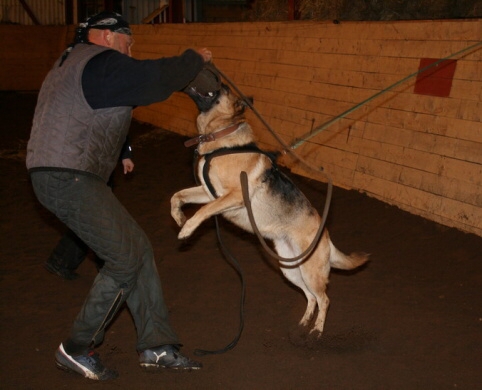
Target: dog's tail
{"x":341,"y":261}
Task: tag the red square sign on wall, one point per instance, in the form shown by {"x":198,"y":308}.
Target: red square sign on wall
{"x":437,"y":80}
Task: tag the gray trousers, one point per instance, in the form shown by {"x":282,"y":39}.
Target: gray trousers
{"x":87,"y":206}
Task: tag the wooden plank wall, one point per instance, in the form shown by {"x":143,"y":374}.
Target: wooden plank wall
{"x":421,"y":153}
{"x":27,"y":53}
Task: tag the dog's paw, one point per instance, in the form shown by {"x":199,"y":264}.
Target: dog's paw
{"x":179,"y":217}
{"x":182,"y":236}
{"x":304,"y":337}
{"x":185,"y":232}
{"x":188,"y":228}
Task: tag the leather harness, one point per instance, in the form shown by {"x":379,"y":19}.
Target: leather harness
{"x":248,"y":148}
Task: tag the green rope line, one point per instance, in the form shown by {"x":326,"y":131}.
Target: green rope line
{"x":319,"y":129}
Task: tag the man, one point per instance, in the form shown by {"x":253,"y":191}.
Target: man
{"x":81,"y":121}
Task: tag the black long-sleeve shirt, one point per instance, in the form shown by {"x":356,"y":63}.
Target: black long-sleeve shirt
{"x":112,"y":79}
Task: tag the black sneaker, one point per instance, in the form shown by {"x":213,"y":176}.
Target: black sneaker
{"x":87,"y":365}
{"x":58,"y":270}
{"x":167,"y":356}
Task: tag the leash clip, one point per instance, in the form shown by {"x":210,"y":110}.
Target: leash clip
{"x":199,"y":140}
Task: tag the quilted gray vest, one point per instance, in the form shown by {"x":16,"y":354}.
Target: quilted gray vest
{"x":67,"y":133}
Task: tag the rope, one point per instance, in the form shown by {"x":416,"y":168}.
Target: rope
{"x":319,"y":129}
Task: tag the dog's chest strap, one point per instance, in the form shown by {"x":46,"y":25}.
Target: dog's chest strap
{"x":249,"y":148}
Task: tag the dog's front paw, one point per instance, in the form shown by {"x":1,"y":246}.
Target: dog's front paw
{"x":186,"y":230}
{"x":183,"y":235}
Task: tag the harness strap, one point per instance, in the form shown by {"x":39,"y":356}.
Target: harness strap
{"x":248,"y":148}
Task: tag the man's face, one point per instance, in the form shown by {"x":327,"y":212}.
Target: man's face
{"x":122,"y":43}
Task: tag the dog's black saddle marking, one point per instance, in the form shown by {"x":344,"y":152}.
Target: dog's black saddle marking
{"x":248,"y":148}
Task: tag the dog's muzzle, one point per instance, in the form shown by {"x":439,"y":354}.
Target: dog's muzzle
{"x":204,"y":89}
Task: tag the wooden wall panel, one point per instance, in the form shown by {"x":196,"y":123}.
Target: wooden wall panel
{"x":418,"y":152}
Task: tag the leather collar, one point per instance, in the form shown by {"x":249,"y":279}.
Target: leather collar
{"x":212,"y":136}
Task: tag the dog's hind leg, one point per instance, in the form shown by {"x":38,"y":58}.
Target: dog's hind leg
{"x":315,"y":273}
{"x":293,"y":274}
{"x":316,"y":282}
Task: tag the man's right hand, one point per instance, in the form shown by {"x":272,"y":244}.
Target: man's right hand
{"x":206,"y":54}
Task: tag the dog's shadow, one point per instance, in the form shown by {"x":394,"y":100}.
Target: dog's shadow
{"x":343,"y":341}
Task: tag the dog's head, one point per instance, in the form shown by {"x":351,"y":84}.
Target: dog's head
{"x":205,"y":88}
{"x":227,"y":108}
{"x":208,"y":92}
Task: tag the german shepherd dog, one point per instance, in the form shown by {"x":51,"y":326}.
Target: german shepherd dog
{"x":281,"y":211}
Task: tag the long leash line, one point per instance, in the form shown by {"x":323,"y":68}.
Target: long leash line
{"x":324,"y":126}
{"x":235,"y":264}
{"x":237,"y":267}
{"x":304,"y":254}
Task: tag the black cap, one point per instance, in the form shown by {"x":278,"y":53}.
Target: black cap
{"x":106,"y":20}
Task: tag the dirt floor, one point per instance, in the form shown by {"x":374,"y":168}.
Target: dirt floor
{"x":410,"y":319}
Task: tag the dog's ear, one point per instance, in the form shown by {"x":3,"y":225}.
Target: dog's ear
{"x":244,"y":103}
{"x":250,"y":101}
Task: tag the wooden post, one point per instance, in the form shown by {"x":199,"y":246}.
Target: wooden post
{"x":29,"y":12}
{"x":293,"y":10}
{"x":176,"y":14}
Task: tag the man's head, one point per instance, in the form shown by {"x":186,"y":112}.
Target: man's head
{"x":106,"y":29}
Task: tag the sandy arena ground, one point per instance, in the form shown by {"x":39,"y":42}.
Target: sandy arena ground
{"x":410,"y":319}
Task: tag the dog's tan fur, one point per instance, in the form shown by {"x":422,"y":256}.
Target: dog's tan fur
{"x":282,"y":212}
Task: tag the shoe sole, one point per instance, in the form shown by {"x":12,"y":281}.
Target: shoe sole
{"x":157,"y":367}
{"x":67,"y":364}
{"x":76,"y":369}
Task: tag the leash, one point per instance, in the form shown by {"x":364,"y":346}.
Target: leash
{"x":235,"y":264}
{"x":304,"y":254}
{"x":237,"y":267}
{"x":245,"y":191}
